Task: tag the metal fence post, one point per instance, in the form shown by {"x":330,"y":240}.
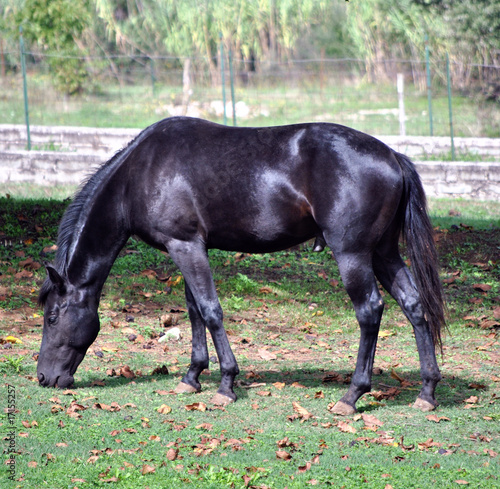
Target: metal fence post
{"x":231,"y":77}
{"x":448,"y":80}
{"x":401,"y":103}
{"x":25,"y":88}
{"x":223,"y":77}
{"x":429,"y":90}
{"x":152,"y":75}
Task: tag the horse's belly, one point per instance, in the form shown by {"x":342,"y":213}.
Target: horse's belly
{"x":263,"y":237}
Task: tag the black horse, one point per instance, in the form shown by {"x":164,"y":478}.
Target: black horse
{"x":186,"y":185}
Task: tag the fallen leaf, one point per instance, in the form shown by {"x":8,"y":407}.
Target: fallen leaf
{"x":172,"y":454}
{"x":482,"y":287}
{"x":264,"y":393}
{"x":305,"y":468}
{"x":147,"y":469}
{"x":126,"y":372}
{"x":279,"y":385}
{"x":436,"y":418}
{"x":345,"y":427}
{"x":461,"y":481}
{"x":386,"y":333}
{"x":283,"y":455}
{"x":196,"y":406}
{"x":472,"y":400}
{"x":164,"y":409}
{"x":428,"y":444}
{"x":13,"y":340}
{"x":371,"y":420}
{"x":266,"y":355}
{"x":266,"y":290}
{"x":302,"y":412}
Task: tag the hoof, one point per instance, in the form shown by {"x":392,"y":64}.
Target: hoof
{"x":221,"y":400}
{"x":424,"y":406}
{"x":343,"y":409}
{"x":183,"y":388}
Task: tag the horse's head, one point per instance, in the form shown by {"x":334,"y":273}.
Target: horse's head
{"x":70,"y":326}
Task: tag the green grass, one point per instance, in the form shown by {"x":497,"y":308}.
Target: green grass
{"x":288,"y":303}
{"x":454,"y":212}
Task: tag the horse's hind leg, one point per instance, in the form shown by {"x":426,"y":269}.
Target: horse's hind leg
{"x":396,"y":278}
{"x":359,"y":281}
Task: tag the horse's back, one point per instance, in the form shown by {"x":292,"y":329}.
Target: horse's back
{"x":259,"y":189}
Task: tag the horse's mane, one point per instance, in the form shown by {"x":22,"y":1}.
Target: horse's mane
{"x":79,"y":207}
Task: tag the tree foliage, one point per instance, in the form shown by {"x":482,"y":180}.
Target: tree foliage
{"x":57,"y":26}
{"x":259,"y":33}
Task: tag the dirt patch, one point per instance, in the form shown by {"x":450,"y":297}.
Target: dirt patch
{"x":474,"y":246}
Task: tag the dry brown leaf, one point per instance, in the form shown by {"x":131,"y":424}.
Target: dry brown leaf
{"x":266,"y":355}
{"x":172,"y":454}
{"x":196,"y":406}
{"x":164,"y":409}
{"x":472,"y":400}
{"x":264,"y":393}
{"x":147,"y":469}
{"x":266,"y":290}
{"x":127,"y":373}
{"x":371,"y":420}
{"x":279,"y":385}
{"x":302,"y":412}
{"x":345,"y":427}
{"x":482,"y":287}
{"x":436,"y":418}
{"x":283,"y":455}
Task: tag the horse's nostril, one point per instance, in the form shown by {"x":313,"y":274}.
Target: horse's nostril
{"x":41,"y":378}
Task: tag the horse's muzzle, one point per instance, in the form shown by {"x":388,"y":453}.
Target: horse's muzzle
{"x":60,"y":381}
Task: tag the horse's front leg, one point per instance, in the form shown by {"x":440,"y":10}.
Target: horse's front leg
{"x":205,"y":311}
{"x":199,"y":350}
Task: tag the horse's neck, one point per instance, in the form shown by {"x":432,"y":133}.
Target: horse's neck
{"x":97,"y":245}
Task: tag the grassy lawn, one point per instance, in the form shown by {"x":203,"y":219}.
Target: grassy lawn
{"x":293,"y":331}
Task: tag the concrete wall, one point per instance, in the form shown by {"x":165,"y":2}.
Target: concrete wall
{"x":108,"y":141}
{"x":471,"y":180}
{"x":86,"y":148}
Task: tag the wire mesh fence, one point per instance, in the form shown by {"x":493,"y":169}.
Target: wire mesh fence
{"x":136,"y":91}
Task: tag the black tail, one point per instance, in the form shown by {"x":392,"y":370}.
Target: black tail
{"x":418,"y":235}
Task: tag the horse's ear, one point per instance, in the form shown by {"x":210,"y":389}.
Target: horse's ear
{"x":56,"y":279}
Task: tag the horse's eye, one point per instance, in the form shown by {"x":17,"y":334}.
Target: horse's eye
{"x":52,"y":318}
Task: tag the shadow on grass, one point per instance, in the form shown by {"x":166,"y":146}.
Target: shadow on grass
{"x":453,"y":390}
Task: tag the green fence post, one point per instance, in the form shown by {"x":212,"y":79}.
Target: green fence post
{"x":152,"y":74}
{"x":25,"y":88}
{"x":231,"y":78}
{"x":223,"y":77}
{"x":429,"y":91}
{"x":448,"y":79}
